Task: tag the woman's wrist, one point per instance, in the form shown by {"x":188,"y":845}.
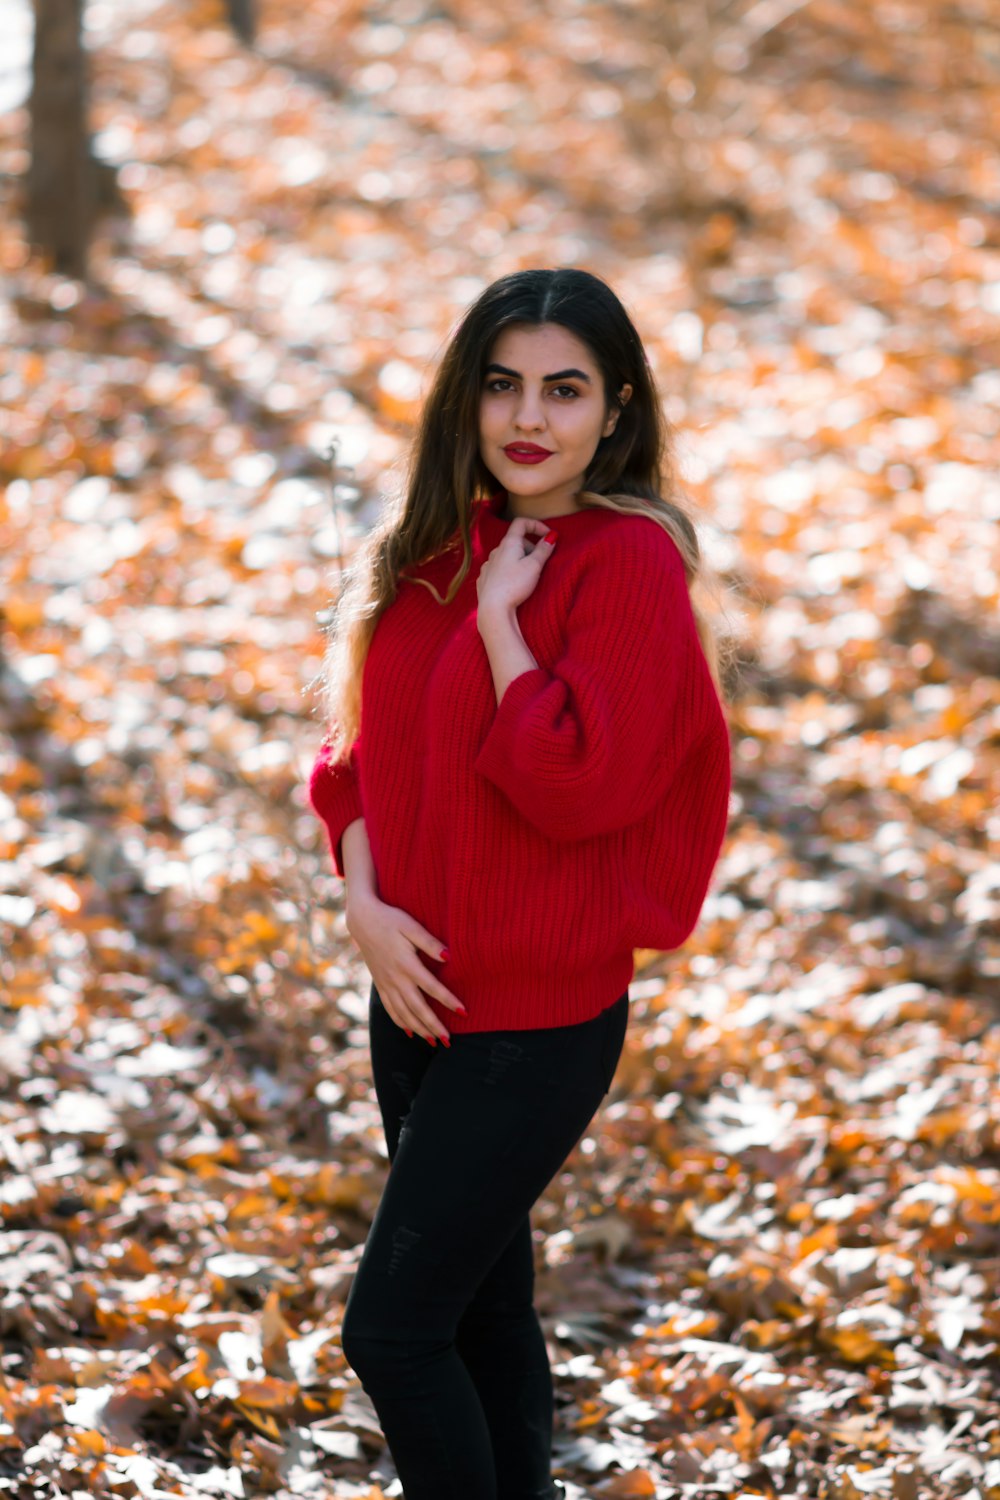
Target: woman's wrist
{"x":361,"y":896}
{"x":506,"y":650}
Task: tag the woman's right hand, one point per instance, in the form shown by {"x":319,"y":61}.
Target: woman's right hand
{"x":389,"y":939}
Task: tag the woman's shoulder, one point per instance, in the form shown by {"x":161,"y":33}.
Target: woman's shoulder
{"x":633,"y":544}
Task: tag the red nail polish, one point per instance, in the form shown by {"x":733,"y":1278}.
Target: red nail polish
{"x":446,"y":1041}
{"x":408,"y":1033}
{"x":432,"y":1041}
{"x":445,"y":955}
{"x":551,"y":537}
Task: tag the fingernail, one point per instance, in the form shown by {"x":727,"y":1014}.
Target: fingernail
{"x":408,"y":1033}
{"x":432,"y":1041}
{"x":551,"y":537}
{"x":446,"y":1041}
{"x":463,"y":1010}
{"x":445,"y":955}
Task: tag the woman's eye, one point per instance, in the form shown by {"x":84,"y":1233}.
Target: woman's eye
{"x":499,"y":381}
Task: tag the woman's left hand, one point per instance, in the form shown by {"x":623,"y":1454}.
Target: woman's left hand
{"x":512,"y":570}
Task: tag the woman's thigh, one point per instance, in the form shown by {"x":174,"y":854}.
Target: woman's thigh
{"x":481,"y":1129}
{"x":399,"y":1063}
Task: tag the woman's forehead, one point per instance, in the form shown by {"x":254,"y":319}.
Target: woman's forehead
{"x":536,"y":346}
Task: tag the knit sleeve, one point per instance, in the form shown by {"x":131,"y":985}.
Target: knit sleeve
{"x":335,"y":796}
{"x":590,"y":746}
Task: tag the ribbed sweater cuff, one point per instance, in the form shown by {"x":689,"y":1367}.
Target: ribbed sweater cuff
{"x":334,"y":796}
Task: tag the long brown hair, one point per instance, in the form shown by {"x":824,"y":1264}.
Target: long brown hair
{"x":632,"y":471}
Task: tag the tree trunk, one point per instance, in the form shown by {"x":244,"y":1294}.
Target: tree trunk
{"x":242,"y":19}
{"x":61,"y":177}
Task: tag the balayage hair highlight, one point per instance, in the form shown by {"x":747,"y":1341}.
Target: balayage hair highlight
{"x":632,"y":472}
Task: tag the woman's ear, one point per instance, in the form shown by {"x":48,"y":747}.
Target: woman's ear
{"x":622,"y":399}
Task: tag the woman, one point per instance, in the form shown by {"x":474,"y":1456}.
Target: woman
{"x":534,"y":781}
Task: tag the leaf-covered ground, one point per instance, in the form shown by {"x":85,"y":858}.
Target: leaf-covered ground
{"x":771,"y":1268}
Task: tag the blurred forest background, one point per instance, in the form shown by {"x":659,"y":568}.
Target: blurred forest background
{"x":235,"y":241}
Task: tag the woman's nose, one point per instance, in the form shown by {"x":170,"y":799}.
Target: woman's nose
{"x":528,"y":415}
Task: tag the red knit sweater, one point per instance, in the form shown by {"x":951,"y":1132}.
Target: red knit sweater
{"x":544,"y":837}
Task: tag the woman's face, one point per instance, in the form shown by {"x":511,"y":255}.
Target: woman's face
{"x":543,"y":389}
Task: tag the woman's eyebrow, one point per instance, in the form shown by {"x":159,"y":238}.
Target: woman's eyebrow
{"x":559,"y":374}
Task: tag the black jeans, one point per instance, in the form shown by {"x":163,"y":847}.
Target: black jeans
{"x":440,"y":1325}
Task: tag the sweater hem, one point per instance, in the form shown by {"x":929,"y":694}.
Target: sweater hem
{"x":533,"y":1001}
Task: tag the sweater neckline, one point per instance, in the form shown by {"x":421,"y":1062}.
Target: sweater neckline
{"x":493,"y":505}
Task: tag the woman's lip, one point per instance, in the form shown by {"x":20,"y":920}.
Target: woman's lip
{"x":521,"y":457}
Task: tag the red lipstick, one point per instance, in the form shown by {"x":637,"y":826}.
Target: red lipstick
{"x":526,"y":453}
